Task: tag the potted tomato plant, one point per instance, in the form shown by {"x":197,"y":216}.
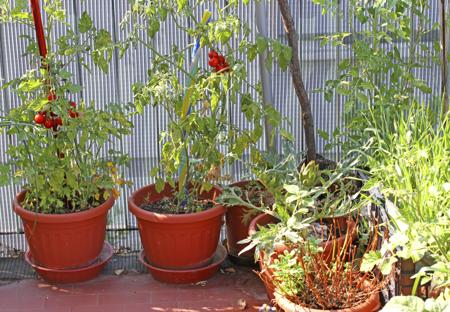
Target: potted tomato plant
{"x":69,"y":177}
{"x":178,"y":217}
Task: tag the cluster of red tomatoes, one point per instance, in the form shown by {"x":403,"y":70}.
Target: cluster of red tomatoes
{"x":49,"y":119}
{"x":218,"y":62}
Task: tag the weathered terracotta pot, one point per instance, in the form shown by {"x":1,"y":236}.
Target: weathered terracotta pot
{"x":237,"y":230}
{"x":333,"y":247}
{"x":330,"y":248}
{"x":177,"y":241}
{"x":64,"y":241}
{"x":407,"y":270}
{"x":372,"y":304}
{"x":266,"y":273}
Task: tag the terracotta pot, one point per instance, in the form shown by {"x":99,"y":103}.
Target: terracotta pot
{"x":265,"y":273}
{"x":64,"y":241}
{"x":333,"y":247}
{"x":372,"y":304}
{"x":237,"y":230}
{"x":407,"y":270}
{"x":330,"y":248}
{"x":177,"y":241}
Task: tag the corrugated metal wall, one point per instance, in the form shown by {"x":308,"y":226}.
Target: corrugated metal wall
{"x":318,"y":65}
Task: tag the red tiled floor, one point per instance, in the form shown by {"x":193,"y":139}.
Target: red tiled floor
{"x":134,"y":293}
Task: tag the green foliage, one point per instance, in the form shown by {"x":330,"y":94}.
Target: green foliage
{"x":415,"y":304}
{"x":411,"y":165}
{"x":18,"y":12}
{"x":380,"y":78}
{"x":407,"y":153}
{"x":302,"y":195}
{"x":196,"y":137}
{"x":69,"y":166}
{"x":288,"y":275}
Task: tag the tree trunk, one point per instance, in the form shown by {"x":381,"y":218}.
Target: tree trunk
{"x":308,"y":122}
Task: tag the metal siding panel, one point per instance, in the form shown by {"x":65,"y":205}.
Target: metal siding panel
{"x":318,"y":64}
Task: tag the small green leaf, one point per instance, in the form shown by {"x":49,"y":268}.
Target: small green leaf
{"x":85,"y":23}
{"x":323,"y":134}
{"x":291,"y":189}
{"x":370,"y":260}
{"x":159,"y":185}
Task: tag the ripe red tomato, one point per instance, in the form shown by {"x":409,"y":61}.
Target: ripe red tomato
{"x":48,"y":123}
{"x":72,"y":114}
{"x":212,"y":54}
{"x":51,"y":96}
{"x":214,"y":62}
{"x":58,"y":121}
{"x":73,"y":104}
{"x":39,"y":118}
{"x":221,"y":59}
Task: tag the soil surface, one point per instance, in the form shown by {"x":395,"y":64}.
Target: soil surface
{"x":69,"y":207}
{"x":169,"y":205}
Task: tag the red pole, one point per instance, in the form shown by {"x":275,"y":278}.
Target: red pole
{"x":35,"y":9}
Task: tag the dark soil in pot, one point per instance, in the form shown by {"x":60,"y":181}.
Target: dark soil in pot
{"x":168,"y":205}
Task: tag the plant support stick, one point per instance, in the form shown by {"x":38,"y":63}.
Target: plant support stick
{"x":261,"y":23}
{"x":35,"y":9}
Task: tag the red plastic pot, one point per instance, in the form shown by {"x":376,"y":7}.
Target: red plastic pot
{"x":237,"y":230}
{"x":64,"y":241}
{"x":372,"y":304}
{"x":177,"y":241}
{"x":189,"y":275}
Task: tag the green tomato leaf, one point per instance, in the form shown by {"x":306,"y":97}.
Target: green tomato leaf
{"x":85,"y":23}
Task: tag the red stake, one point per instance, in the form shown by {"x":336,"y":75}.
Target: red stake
{"x":35,"y":9}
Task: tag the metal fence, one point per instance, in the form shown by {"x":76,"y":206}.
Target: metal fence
{"x":318,"y":64}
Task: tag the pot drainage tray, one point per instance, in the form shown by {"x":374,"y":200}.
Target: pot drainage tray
{"x":186,"y":276}
{"x":74,"y":275}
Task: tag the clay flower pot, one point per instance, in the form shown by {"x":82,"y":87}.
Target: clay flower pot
{"x":334,"y":246}
{"x":64,"y":241}
{"x":372,"y":304}
{"x":237,"y":230}
{"x":329,"y":247}
{"x":177,"y":241}
{"x":266,"y":273}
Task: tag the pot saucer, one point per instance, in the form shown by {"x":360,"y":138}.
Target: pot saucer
{"x":74,"y":275}
{"x":186,"y":276}
{"x":240,"y":260}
